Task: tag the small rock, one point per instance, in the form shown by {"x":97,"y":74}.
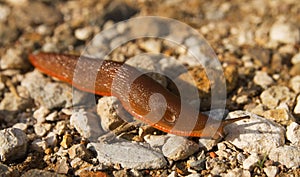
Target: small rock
{"x":50,"y":95}
{"x":295,"y":84}
{"x":281,"y":116}
{"x":14,"y":59}
{"x":40,"y":114}
{"x":66,"y":141}
{"x":237,"y":172}
{"x":7,"y":171}
{"x":41,"y":129}
{"x":151,"y":45}
{"x":129,"y":155}
{"x":13,"y":144}
{"x":193,"y":175}
{"x":207,"y":144}
{"x":156,"y":141}
{"x":52,"y":116}
{"x":257,"y":134}
{"x":79,"y":150}
{"x":62,"y":166}
{"x":286,"y":155}
{"x":262,"y":79}
{"x":51,"y":139}
{"x":295,"y":70}
{"x":293,"y":133}
{"x":83,"y":33}
{"x":178,"y":148}
{"x":39,"y":145}
{"x":284,"y":32}
{"x":271,"y":171}
{"x":173,"y":174}
{"x":21,"y":126}
{"x":275,"y":95}
{"x":107,"y":110}
{"x":41,"y":173}
{"x":296,"y":59}
{"x":251,"y":161}
{"x":60,"y":128}
{"x":243,"y":99}
{"x":87,"y":124}
{"x":297,"y":106}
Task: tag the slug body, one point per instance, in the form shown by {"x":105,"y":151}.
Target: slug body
{"x":135,"y":93}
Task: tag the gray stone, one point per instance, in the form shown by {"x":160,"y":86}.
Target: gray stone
{"x":271,"y":171}
{"x":207,"y":144}
{"x":51,"y":139}
{"x":107,"y":110}
{"x":254,"y":135}
{"x":46,"y":93}
{"x":156,"y":140}
{"x":284,"y":32}
{"x":262,"y":79}
{"x":87,"y":124}
{"x":13,"y":144}
{"x":41,"y":173}
{"x":129,"y":155}
{"x":39,"y":145}
{"x":79,"y":150}
{"x":295,"y":84}
{"x":275,"y":95}
{"x":286,"y":155}
{"x":40,"y":114}
{"x":62,"y":166}
{"x":178,"y":148}
{"x":250,"y":162}
{"x":293,"y":133}
{"x":41,"y":129}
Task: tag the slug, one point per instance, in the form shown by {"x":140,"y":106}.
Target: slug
{"x":112,"y":79}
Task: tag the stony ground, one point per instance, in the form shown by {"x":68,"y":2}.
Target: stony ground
{"x":44,"y":132}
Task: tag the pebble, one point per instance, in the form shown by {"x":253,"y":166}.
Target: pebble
{"x":250,"y":162}
{"x":254,"y":135}
{"x":6,"y":171}
{"x":41,"y":129}
{"x":84,"y":33}
{"x":151,"y":45}
{"x":156,"y":140}
{"x":14,"y":59}
{"x":48,"y":94}
{"x":52,"y":116}
{"x":79,"y":151}
{"x":107,"y":110}
{"x":295,"y":70}
{"x":262,"y":79}
{"x":39,"y":145}
{"x":295,"y":84}
{"x":21,"y":126}
{"x":271,"y":171}
{"x":293,"y":133}
{"x":4,"y":12}
{"x":87,"y":124}
{"x":275,"y":95}
{"x":286,"y":155}
{"x":296,"y":59}
{"x":41,"y":173}
{"x":237,"y":172}
{"x":62,"y":166}
{"x":13,"y":144}
{"x":40,"y":114}
{"x":178,"y":148}
{"x":284,"y":32}
{"x":66,"y":141}
{"x":297,"y":106}
{"x":51,"y":139}
{"x":207,"y":144}
{"x":281,"y":116}
{"x":128,"y":155}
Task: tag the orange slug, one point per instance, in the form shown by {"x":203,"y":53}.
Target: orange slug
{"x":112,"y":78}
